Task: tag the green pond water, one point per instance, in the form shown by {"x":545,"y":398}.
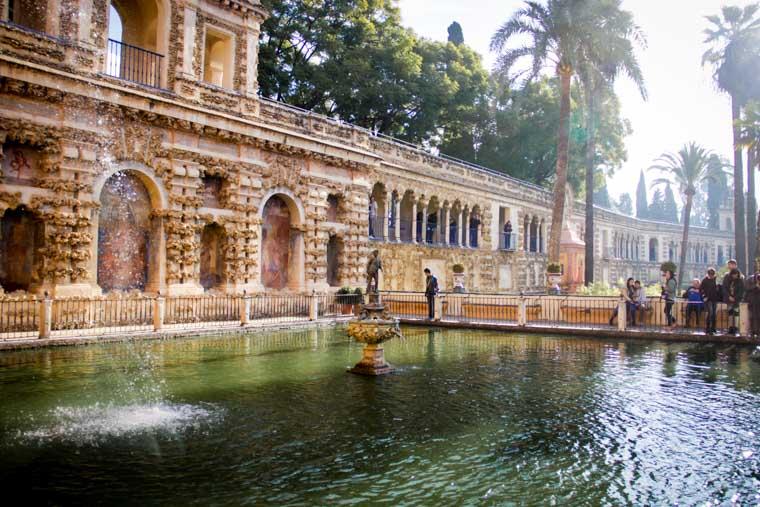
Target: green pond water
{"x":469,"y":418}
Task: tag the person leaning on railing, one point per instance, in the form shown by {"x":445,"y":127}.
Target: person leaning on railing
{"x":627,"y":293}
{"x":710,"y":293}
{"x":733,"y":294}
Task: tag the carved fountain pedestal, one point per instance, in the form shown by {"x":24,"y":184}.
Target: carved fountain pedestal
{"x":373,"y":327}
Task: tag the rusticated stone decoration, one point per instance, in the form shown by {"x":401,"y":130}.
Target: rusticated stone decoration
{"x":64,"y":124}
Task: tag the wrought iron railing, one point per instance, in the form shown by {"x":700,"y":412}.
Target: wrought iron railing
{"x":132,"y":63}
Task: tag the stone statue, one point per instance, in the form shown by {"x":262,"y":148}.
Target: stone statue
{"x":374,"y":266}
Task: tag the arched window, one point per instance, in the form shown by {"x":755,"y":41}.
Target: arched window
{"x":534,"y":235}
{"x":282,"y":244}
{"x":653,"y":250}
{"x":124,"y":233}
{"x":332,"y":208}
{"x":138,"y":40}
{"x":21,"y":237}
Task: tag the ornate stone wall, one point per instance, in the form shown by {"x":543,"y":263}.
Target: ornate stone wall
{"x":80,"y":127}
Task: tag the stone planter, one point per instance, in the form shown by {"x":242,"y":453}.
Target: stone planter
{"x":459,"y":283}
{"x":553,"y":278}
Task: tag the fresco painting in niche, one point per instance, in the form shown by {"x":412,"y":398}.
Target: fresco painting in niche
{"x":212,"y":188}
{"x":20,"y":237}
{"x":275,"y":254}
{"x":19,"y":164}
{"x":212,"y":259}
{"x":123,"y":233}
{"x":334,"y":247}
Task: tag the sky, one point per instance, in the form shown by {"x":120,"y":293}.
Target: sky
{"x":683,"y":103}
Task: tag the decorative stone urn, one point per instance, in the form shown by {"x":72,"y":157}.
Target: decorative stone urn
{"x":373,"y":327}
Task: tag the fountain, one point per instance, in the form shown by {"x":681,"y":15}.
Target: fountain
{"x":373,"y":326}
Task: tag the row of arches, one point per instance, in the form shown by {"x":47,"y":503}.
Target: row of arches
{"x":131,"y":243}
{"x":406,"y":217}
{"x":534,"y":234}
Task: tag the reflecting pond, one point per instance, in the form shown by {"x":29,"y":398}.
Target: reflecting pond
{"x":470,"y":417}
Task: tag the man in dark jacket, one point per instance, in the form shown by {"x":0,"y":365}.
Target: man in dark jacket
{"x":431,"y":290}
{"x":732,"y":266}
{"x":734,"y":294}
{"x":708,"y":289}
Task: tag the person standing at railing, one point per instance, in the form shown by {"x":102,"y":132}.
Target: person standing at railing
{"x":733,"y":294}
{"x":627,"y":294}
{"x":508,"y":235}
{"x":669,"y":289}
{"x":639,"y":301}
{"x":709,"y":291}
{"x":431,"y":291}
{"x":694,"y":302}
{"x":752,"y":297}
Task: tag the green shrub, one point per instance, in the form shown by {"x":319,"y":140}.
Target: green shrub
{"x":668,"y":266}
{"x":600,"y":289}
{"x":458,"y":269}
{"x":344,"y":290}
{"x":358,"y":291}
{"x":554,"y":268}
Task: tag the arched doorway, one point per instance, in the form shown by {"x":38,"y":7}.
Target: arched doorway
{"x":21,"y":236}
{"x":282,"y":256}
{"x":124,"y":233}
{"x":212,"y":256}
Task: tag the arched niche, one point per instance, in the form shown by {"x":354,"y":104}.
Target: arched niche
{"x":282,"y":244}
{"x":335,"y":249}
{"x":130,"y":252}
{"x":213,"y":239}
{"x":21,"y":238}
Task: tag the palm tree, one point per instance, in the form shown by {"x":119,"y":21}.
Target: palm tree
{"x":615,"y":56}
{"x":688,"y":168}
{"x":750,"y":139}
{"x":732,"y":38}
{"x":561,"y":33}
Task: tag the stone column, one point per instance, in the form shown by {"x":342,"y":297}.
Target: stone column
{"x":423,"y":240}
{"x":252,"y":63}
{"x":446,"y":220}
{"x":386,"y":215}
{"x":466,"y":230}
{"x":460,"y":221}
{"x":397,"y":222}
{"x":480,"y":233}
{"x":413,"y":235}
{"x":188,"y":34}
{"x":438,"y":239}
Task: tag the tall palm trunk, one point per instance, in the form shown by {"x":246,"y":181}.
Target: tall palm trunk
{"x":685,"y":239}
{"x":563,"y":144}
{"x":740,"y":232}
{"x":751,"y":212}
{"x":590,"y":163}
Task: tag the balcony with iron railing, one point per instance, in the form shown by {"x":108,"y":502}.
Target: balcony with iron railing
{"x":133,"y":64}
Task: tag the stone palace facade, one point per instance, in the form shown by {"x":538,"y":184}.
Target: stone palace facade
{"x":137,"y":156}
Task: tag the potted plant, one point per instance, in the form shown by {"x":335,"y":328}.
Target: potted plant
{"x":554,"y":273}
{"x":344,"y":297}
{"x":458,"y":270}
{"x":668,"y":266}
{"x":358,"y":299}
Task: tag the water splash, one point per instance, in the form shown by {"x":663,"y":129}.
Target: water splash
{"x":90,"y":425}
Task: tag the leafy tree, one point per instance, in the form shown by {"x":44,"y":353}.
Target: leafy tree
{"x":602,"y":198}
{"x":625,"y":204}
{"x":352,"y":59}
{"x":642,"y":206}
{"x":456,"y":36}
{"x":688,"y":168}
{"x":733,"y":53}
{"x":517,"y":134}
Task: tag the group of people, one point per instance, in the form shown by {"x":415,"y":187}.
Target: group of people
{"x":702,"y":296}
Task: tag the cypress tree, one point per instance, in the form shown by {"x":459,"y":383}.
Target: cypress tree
{"x":671,"y":208}
{"x":642,"y":206}
{"x":455,"y":33}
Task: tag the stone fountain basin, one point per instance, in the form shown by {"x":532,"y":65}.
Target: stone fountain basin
{"x":373,"y":331}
